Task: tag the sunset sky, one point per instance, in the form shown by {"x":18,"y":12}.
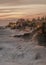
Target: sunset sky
{"x":22,"y":8}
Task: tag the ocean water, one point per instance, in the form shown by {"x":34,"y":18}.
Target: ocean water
{"x":20,"y":50}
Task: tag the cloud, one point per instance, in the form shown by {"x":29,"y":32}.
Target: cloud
{"x":21,"y":2}
{"x":24,"y":9}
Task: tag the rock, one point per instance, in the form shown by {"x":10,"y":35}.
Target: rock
{"x":1,"y":48}
{"x":37,"y":56}
{"x":19,"y":35}
{"x":22,"y":35}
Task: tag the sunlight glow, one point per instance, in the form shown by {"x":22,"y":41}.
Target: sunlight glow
{"x":21,"y":10}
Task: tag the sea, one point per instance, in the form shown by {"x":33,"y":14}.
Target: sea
{"x":20,"y":50}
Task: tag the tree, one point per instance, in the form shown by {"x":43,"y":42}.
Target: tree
{"x":43,"y":27}
{"x":45,"y":18}
{"x":38,"y":19}
{"x":33,"y":20}
{"x":42,"y":19}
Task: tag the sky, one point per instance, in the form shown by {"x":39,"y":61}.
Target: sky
{"x":21,"y":2}
{"x":21,"y":8}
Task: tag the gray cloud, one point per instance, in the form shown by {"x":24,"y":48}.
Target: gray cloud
{"x":21,"y":2}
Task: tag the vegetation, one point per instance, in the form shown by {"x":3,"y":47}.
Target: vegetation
{"x":22,"y":23}
{"x":11,"y":25}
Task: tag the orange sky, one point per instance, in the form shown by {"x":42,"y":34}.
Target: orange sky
{"x":25,"y":11}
